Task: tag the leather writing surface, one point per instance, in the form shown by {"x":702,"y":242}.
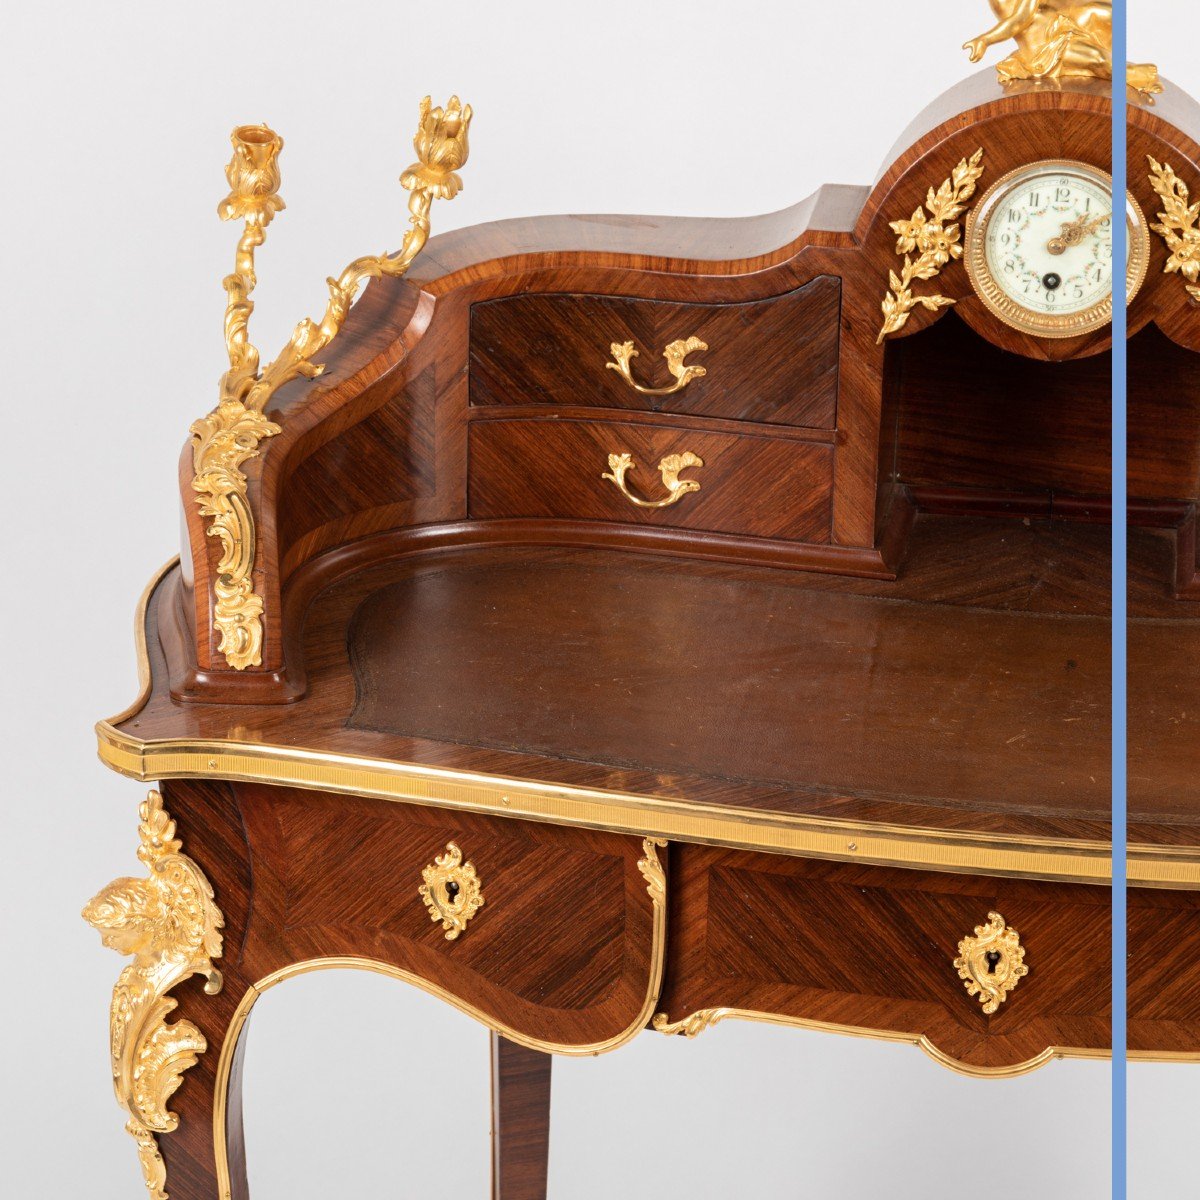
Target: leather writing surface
{"x":658,"y":666}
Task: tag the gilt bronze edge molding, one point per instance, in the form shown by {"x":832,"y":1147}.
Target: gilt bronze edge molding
{"x":658,"y":816}
{"x":827,"y":838}
{"x":704,"y":1018}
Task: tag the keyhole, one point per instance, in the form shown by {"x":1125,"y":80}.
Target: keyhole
{"x":992,"y":958}
{"x":452,"y":890}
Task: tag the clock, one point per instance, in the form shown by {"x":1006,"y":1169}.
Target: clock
{"x":1038,"y":248}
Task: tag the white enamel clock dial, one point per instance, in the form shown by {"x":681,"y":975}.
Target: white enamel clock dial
{"x":1039,"y":248}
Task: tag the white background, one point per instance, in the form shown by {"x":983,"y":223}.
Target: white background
{"x":115,"y":136}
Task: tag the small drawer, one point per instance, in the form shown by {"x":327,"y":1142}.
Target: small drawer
{"x":772,"y":361}
{"x":894,"y":952}
{"x":748,"y":485}
{"x":554,"y":935}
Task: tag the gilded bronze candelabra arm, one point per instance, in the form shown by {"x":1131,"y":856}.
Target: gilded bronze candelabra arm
{"x":230,"y":435}
{"x":311,"y":337}
{"x":253,"y":175}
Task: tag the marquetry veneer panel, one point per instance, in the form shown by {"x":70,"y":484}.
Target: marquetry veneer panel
{"x":561,"y":951}
{"x":1164,"y":972}
{"x":873,"y":948}
{"x":754,"y":486}
{"x":773,"y":360}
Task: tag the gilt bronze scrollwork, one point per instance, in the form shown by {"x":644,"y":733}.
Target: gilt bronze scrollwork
{"x":451,"y":890}
{"x":171,"y":925}
{"x":668,"y":467}
{"x":675,"y":352}
{"x":991,"y":963}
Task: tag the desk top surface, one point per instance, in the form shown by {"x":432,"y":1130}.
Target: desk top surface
{"x":957,"y":717}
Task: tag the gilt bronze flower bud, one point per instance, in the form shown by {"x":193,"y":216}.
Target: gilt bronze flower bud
{"x":441,"y":146}
{"x":253,"y":175}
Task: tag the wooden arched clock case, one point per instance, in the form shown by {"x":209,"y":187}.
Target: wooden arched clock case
{"x":608,"y":624}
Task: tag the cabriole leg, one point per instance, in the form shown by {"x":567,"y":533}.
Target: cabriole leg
{"x":170,"y":925}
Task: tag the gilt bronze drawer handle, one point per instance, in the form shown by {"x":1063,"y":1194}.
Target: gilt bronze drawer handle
{"x":451,"y":891}
{"x":991,"y":963}
{"x":669,"y":467}
{"x":675,"y":353}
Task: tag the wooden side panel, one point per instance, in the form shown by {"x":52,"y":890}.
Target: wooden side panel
{"x":972,"y":416}
{"x":398,"y":440}
{"x":757,"y":486}
{"x":1163,"y":418}
{"x":772,"y":360}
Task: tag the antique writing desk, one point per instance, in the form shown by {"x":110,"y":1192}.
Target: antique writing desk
{"x":594,"y":694}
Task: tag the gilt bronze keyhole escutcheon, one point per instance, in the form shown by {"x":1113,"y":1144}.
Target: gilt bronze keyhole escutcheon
{"x":991,"y":963}
{"x":451,"y":890}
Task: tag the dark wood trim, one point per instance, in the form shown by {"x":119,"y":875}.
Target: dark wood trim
{"x":520,"y":1121}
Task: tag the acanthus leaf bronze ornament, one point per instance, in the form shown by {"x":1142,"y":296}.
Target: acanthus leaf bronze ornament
{"x":652,"y":870}
{"x":991,"y":963}
{"x":669,"y":467}
{"x":675,"y":352}
{"x":171,"y":925}
{"x":936,"y":237}
{"x":230,"y":435}
{"x":1177,"y":225}
{"x":1056,"y":38}
{"x":693,"y":1025}
{"x":451,"y":890}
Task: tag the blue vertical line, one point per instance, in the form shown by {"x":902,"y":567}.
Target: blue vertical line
{"x":1119,"y":552}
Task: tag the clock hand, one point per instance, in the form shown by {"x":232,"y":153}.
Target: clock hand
{"x":1073,"y":232}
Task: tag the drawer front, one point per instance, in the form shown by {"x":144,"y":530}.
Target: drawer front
{"x":1163,"y":994}
{"x":550,"y":934}
{"x":773,"y":360}
{"x":874,"y":949}
{"x":750,"y":486}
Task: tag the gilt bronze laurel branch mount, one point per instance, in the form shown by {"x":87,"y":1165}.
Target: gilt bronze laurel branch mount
{"x":1178,"y":225}
{"x":935,"y":237}
{"x":230,"y":435}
